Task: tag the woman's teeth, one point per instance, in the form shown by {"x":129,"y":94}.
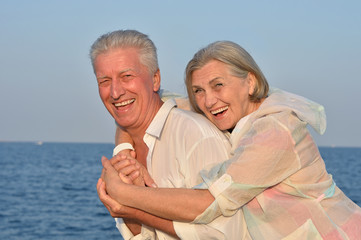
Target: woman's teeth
{"x":215,"y":112}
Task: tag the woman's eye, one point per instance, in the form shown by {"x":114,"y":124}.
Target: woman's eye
{"x":196,"y":91}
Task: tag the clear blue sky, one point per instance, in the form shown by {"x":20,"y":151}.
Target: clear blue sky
{"x":48,"y":91}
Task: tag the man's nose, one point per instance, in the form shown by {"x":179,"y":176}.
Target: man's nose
{"x":117,"y":89}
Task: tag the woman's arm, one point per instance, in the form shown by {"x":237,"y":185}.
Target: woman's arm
{"x":264,"y":158}
{"x":133,"y":217}
{"x":186,"y":205}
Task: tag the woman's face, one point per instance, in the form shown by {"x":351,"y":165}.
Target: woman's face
{"x":222,"y":97}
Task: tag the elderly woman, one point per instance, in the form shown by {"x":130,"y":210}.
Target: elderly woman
{"x":276,"y":175}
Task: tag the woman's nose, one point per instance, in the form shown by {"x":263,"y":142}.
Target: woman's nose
{"x":210,"y":100}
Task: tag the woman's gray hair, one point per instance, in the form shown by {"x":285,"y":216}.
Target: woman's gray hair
{"x":127,"y":39}
{"x":240,"y":63}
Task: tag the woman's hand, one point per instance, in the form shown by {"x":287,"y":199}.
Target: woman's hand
{"x":112,"y":179}
{"x":115,"y":209}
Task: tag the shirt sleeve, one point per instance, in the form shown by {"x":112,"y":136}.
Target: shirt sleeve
{"x":196,"y":231}
{"x":264,"y":157}
{"x":233,"y":227}
{"x":147,"y":233}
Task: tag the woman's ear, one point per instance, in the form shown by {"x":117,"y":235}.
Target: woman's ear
{"x":156,"y":81}
{"x":252,"y":80}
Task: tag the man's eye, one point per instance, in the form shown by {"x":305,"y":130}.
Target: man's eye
{"x":103,"y":82}
{"x":128,"y":77}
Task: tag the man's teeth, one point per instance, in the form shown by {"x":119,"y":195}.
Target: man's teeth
{"x":219,"y":110}
{"x":122,"y":104}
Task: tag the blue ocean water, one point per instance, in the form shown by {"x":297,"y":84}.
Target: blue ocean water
{"x":48,"y":191}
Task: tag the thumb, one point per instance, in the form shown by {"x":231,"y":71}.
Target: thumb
{"x":148,"y":180}
{"x":105,"y":162}
{"x":108,"y":167}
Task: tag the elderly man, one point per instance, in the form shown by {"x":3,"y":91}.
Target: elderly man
{"x":173,"y":144}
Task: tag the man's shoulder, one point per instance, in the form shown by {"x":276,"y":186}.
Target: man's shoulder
{"x":192,"y":122}
{"x":189,"y":128}
{"x":186,"y":115}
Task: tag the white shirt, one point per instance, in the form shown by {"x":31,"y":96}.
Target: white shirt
{"x":182,"y":143}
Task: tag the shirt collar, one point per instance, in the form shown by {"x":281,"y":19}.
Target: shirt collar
{"x":156,"y":126}
{"x":237,"y":129}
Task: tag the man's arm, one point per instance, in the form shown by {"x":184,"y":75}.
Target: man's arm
{"x":122,"y":136}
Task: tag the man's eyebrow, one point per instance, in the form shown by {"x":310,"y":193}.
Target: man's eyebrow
{"x":102,"y":77}
{"x":125,"y":70}
{"x":121,"y":72}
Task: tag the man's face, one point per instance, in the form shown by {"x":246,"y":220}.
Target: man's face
{"x":125,"y":86}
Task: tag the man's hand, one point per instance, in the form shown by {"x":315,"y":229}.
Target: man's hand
{"x":128,"y":166}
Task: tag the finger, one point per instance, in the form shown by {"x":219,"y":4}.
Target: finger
{"x":102,"y":193}
{"x":117,"y":158}
{"x":123,"y":164}
{"x":102,"y":173}
{"x":101,"y":189}
{"x":103,"y":160}
{"x":110,"y":174}
{"x":108,"y":202}
{"x":125,"y":153}
{"x":137,"y":179}
{"x":128,"y":170}
{"x":106,"y":164}
{"x":125,"y":178}
{"x":99,"y":182}
{"x":134,"y":175}
{"x":133,"y":154}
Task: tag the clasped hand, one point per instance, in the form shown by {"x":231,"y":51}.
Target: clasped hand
{"x":119,"y":170}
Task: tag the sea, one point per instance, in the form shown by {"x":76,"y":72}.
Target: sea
{"x":48,"y":190}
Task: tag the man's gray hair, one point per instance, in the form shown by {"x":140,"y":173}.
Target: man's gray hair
{"x":127,"y":39}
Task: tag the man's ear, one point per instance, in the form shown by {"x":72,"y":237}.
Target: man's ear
{"x":156,"y":81}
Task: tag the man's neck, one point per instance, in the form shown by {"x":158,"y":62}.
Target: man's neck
{"x":137,"y":134}
{"x":138,"y":130}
